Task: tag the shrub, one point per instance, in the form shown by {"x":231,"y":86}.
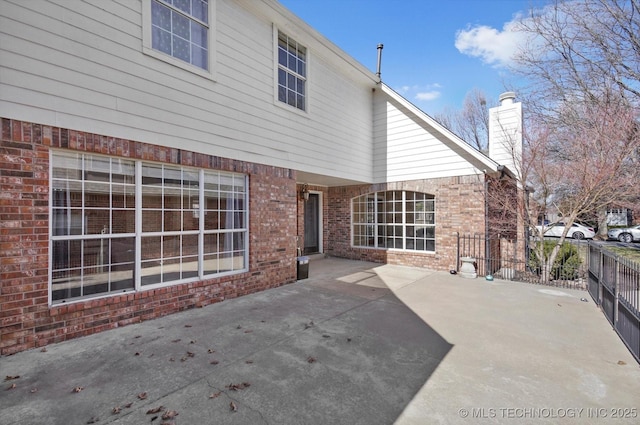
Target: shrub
{"x":566,"y":264}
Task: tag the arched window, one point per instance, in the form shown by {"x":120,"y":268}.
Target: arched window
{"x":394,"y":219}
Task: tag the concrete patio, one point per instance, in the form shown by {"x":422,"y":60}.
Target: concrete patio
{"x":356,"y":343}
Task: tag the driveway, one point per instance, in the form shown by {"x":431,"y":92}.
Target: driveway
{"x":356,"y":343}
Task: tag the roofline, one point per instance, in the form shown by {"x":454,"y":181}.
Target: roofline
{"x":276,"y":11}
{"x":485,"y":163}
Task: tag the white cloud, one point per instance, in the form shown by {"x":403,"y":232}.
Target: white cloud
{"x":428,"y":95}
{"x":492,"y":46}
{"x":423,"y":93}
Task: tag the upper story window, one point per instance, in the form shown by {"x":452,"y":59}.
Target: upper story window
{"x":180,"y":29}
{"x":292,"y":72}
{"x":394,"y":219}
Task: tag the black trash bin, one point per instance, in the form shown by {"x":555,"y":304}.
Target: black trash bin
{"x":303,"y":267}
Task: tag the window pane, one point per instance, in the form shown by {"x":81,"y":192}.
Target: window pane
{"x":211,"y":264}
{"x":67,"y":166}
{"x":97,"y":169}
{"x":151,"y":220}
{"x":151,"y":248}
{"x":199,"y":57}
{"x":97,"y":195}
{"x":122,"y":171}
{"x":122,"y":253}
{"x":199,"y":9}
{"x":151,"y":273}
{"x":190,"y":245}
{"x":180,"y":26}
{"x":189,"y":267}
{"x":184,"y":5}
{"x":171,"y":247}
{"x":198,"y":35}
{"x":98,"y":222}
{"x":172,"y":221}
{"x":211,"y":242}
{"x":123,"y":196}
{"x":191,"y":219}
{"x":161,"y":16}
{"x":181,"y":49}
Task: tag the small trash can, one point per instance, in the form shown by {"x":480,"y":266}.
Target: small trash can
{"x":303,"y":267}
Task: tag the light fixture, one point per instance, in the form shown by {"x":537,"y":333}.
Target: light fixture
{"x":305,"y":192}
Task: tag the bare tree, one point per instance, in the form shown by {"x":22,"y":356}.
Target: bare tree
{"x":471,"y":123}
{"x":575,"y":48}
{"x":581,"y":65}
{"x":572,"y":166}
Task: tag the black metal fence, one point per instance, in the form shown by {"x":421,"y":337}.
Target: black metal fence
{"x":614,"y":285}
{"x":516,"y":260}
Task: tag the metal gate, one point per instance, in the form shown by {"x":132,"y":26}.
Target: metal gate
{"x":614,"y":285}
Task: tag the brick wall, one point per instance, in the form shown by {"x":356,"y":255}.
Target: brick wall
{"x":26,"y":319}
{"x":459,"y":205}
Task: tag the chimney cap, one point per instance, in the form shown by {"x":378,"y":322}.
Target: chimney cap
{"x":507,"y":98}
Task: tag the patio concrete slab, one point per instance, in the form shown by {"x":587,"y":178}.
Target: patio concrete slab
{"x":356,"y":343}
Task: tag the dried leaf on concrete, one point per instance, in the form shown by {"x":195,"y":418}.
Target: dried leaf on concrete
{"x":169,"y":414}
{"x":236,"y":387}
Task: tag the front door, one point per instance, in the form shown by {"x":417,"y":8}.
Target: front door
{"x":312,"y":224}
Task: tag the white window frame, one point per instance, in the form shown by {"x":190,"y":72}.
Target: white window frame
{"x":147,"y":46}
{"x":371,"y":221}
{"x":277,"y":67}
{"x":138,"y":234}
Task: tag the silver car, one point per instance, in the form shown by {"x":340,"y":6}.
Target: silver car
{"x":627,"y":234}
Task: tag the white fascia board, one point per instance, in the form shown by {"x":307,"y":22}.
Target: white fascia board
{"x":481,"y":161}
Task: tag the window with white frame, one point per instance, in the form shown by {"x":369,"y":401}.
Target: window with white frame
{"x":181,"y":223}
{"x":292,"y":72}
{"x":394,"y":219}
{"x":180,"y":28}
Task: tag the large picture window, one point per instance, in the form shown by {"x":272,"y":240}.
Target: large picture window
{"x":180,"y":28}
{"x":292,"y":72}
{"x":394,"y":219}
{"x":120,"y":225}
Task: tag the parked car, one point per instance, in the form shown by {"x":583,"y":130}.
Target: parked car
{"x":626,"y":234}
{"x":576,"y":231}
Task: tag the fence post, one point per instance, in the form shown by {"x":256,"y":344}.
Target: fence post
{"x":616,"y":293}
{"x":457,"y":251}
{"x":600,"y":268}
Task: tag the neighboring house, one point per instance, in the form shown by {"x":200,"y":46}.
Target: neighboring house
{"x":619,"y":217}
{"x":155,"y":153}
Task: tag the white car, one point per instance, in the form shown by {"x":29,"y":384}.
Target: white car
{"x":627,"y":234}
{"x":576,"y":231}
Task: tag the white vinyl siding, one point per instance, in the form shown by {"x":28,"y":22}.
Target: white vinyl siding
{"x":407,"y":149}
{"x":80,"y":67}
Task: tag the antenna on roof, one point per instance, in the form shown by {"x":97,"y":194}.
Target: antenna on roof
{"x":380,"y":47}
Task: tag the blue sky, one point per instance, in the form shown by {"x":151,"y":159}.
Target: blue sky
{"x":435,"y":51}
